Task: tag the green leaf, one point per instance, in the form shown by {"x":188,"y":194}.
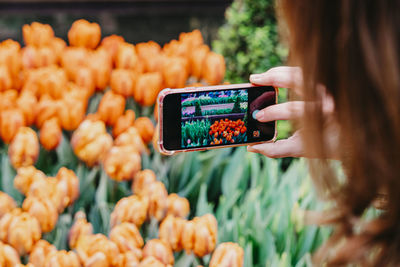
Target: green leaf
{"x":7,"y":180}
{"x":94,"y":103}
{"x":234,"y":172}
{"x":101,"y":192}
{"x":185,"y":260}
{"x":65,"y":154}
{"x":203,"y":207}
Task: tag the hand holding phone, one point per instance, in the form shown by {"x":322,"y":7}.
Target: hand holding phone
{"x":292,"y":78}
{"x":213,"y":117}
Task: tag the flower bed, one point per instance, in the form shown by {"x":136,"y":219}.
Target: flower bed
{"x":77,"y":124}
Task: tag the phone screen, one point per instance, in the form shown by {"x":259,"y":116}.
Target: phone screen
{"x":211,"y":118}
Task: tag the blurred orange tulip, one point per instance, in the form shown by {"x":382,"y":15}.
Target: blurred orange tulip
{"x":58,"y":45}
{"x":131,"y":209}
{"x":160,"y":250}
{"x":80,"y":227}
{"x":192,"y":39}
{"x":148,"y":48}
{"x":142,"y":180}
{"x":200,"y":235}
{"x":84,"y":34}
{"x":24,"y":148}
{"x":130,"y":137}
{"x":175,"y":72}
{"x":76,"y":93}
{"x":151,"y":56}
{"x":10,"y":122}
{"x":27,"y":103}
{"x":69,"y":182}
{"x":123,"y":81}
{"x":177,"y":206}
{"x":123,"y":123}
{"x":93,"y":117}
{"x":50,"y":188}
{"x":127,"y":259}
{"x":62,"y":258}
{"x":53,"y":81}
{"x":156,"y":136}
{"x":74,"y":58}
{"x":45,"y":110}
{"x":10,"y":56}
{"x":148,"y":85}
{"x":71,"y":112}
{"x":145,"y":128}
{"x":97,"y":249}
{"x":151,"y":262}
{"x":197,"y":59}
{"x":122,"y":163}
{"x":227,"y":255}
{"x":101,"y":65}
{"x":126,"y":57}
{"x":40,"y":252}
{"x":176,"y":49}
{"x":50,"y":134}
{"x":31,"y":81}
{"x":8,"y":256}
{"x":196,"y":85}
{"x":171,"y":231}
{"x":111,"y":44}
{"x":43,"y":210}
{"x":91,"y":142}
{"x":111,"y":107}
{"x":8,"y":99}
{"x":84,"y":78}
{"x":7,"y":204}
{"x":157,"y":195}
{"x":46,"y":57}
{"x":214,"y":68}
{"x":5,"y":78}
{"x":127,"y":237}
{"x":37,"y":34}
{"x":25,"y":177}
{"x":20,"y":230}
{"x":37,"y":57}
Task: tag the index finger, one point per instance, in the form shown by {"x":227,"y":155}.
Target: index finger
{"x":285,"y":77}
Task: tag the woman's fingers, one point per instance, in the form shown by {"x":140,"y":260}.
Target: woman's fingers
{"x":285,"y":111}
{"x":286,"y":77}
{"x":291,"y":147}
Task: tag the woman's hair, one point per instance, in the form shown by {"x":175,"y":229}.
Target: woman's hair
{"x":352,"y":48}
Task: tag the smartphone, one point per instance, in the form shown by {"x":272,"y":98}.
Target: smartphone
{"x":200,"y":118}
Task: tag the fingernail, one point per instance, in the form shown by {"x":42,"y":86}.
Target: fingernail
{"x":255,"y":114}
{"x":259,"y":115}
{"x":255,"y":77}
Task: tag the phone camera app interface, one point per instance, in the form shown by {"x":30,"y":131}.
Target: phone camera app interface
{"x":213,"y":118}
{"x":225,"y":117}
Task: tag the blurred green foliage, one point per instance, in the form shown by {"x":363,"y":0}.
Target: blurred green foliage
{"x":249,"y":39}
{"x":256,"y":203}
